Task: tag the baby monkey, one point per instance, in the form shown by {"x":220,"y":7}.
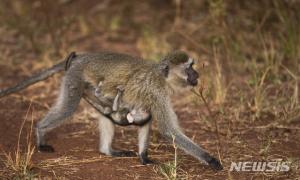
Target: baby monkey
{"x":119,"y":111}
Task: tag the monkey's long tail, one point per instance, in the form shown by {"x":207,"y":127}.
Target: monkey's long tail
{"x":169,"y":128}
{"x":33,"y":79}
{"x":64,"y":65}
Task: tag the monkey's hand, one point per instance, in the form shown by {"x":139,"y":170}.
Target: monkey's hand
{"x":215,"y":164}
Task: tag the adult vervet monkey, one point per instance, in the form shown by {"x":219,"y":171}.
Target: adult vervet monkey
{"x":147,"y":85}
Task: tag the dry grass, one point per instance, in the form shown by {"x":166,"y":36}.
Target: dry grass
{"x":171,"y":170}
{"x":19,"y":164}
{"x":218,"y":79}
{"x":260,"y":93}
{"x":295,"y":97}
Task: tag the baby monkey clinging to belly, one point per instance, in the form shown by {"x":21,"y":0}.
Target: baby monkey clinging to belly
{"x":120,"y":113}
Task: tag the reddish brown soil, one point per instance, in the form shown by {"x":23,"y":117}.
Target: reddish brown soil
{"x":242,"y":138}
{"x":78,"y":141}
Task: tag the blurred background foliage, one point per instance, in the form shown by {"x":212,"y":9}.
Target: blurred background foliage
{"x":251,"y":44}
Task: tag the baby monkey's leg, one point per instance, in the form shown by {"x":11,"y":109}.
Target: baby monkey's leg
{"x":116,"y":104}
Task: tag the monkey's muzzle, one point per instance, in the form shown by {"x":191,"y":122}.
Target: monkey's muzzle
{"x":193,"y":82}
{"x":192,"y":77}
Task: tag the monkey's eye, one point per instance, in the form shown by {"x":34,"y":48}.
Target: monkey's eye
{"x":167,"y":68}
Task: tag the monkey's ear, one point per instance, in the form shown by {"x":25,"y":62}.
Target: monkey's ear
{"x":164,"y":68}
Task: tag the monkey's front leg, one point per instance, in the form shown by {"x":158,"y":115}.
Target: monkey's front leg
{"x":144,"y":135}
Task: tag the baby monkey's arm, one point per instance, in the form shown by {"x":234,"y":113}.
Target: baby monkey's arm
{"x":100,"y":95}
{"x":135,"y":115}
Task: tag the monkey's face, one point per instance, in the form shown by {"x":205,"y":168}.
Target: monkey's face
{"x":184,"y":75}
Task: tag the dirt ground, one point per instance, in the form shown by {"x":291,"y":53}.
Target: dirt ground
{"x":231,"y":130}
{"x":76,"y":143}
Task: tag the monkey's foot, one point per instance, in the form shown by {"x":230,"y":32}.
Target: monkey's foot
{"x":118,"y":153}
{"x":144,"y":159}
{"x":97,"y":92}
{"x":45,"y":148}
{"x":215,"y":164}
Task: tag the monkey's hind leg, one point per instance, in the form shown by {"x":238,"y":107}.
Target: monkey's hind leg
{"x":107,"y":131}
{"x":67,"y":102}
